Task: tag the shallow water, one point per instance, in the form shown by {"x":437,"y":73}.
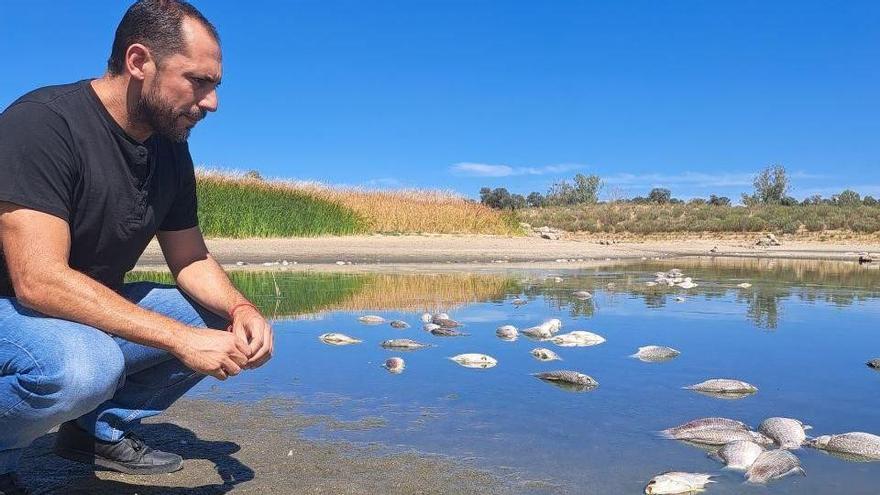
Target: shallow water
{"x":802,"y":334}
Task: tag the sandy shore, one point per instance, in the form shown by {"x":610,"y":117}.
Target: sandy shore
{"x":258,"y":449}
{"x":325,"y":252}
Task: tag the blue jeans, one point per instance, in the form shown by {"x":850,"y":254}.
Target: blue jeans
{"x":53,"y":370}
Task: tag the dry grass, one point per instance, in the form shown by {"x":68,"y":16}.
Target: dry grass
{"x":396,"y":211}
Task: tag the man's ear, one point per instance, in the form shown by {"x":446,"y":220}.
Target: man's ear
{"x":139,"y":61}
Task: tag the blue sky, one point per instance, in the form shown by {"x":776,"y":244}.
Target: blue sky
{"x":694,"y":95}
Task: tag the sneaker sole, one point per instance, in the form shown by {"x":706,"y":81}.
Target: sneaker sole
{"x":103,"y":462}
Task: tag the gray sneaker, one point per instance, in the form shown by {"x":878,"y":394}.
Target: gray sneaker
{"x":129,"y":455}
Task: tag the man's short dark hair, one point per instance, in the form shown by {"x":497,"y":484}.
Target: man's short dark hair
{"x":155,"y":24}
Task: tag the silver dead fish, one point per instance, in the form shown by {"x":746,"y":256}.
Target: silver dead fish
{"x":403,"y":344}
{"x":724,"y":386}
{"x":707,"y":424}
{"x":507,"y":332}
{"x":399,"y":324}
{"x":338,"y":339}
{"x":857,"y":445}
{"x":719,"y":437}
{"x":739,"y":455}
{"x":543,"y":354}
{"x":567,"y":376}
{"x":788,"y":433}
{"x":544,"y":330}
{"x":475,"y":360}
{"x":772,"y":465}
{"x":446,"y":332}
{"x":874,"y":363}
{"x":656,"y":354}
{"x":677,"y":482}
{"x":577,"y":338}
{"x":371,"y":319}
{"x":581,"y":294}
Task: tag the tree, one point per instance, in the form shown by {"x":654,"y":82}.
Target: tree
{"x":561,"y":193}
{"x":719,"y":201}
{"x":586,"y":189}
{"x":869,"y":201}
{"x":815,"y":199}
{"x":253,"y":175}
{"x":660,"y":195}
{"x":771,"y":185}
{"x":535,"y":200}
{"x":847,"y":198}
{"x":789,"y":201}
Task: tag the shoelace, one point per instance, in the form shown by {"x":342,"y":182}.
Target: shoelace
{"x":136,"y":443}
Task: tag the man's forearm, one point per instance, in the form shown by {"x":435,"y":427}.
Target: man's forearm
{"x":205,"y":281}
{"x":73,"y":296}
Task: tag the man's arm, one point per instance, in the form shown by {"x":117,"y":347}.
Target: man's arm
{"x":199,"y":275}
{"x":36,"y":247}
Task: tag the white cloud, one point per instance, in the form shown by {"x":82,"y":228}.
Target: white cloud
{"x":488,"y":170}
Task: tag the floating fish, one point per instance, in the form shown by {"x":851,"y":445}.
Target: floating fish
{"x":740,"y":455}
{"x":744,"y":285}
{"x":394,"y":365}
{"x":687,"y":284}
{"x":371,"y":319}
{"x":679,"y":299}
{"x":655,"y":354}
{"x":426,"y":317}
{"x":430,"y":327}
{"x":707,"y":424}
{"x":474,"y":360}
{"x":544,"y":330}
{"x":674,"y":482}
{"x":403,"y":344}
{"x":543,"y":354}
{"x":567,"y":376}
{"x":440,"y":316}
{"x":400,"y":324}
{"x":874,"y":363}
{"x":650,"y":284}
{"x":786,"y":432}
{"x":857,"y":445}
{"x":446,"y":332}
{"x":723,"y":386}
{"x":507,"y":332}
{"x":446,"y":322}
{"x":519,"y":302}
{"x":719,"y":436}
{"x":338,"y":339}
{"x":577,"y":338}
{"x":772,"y":465}
{"x":581,"y":294}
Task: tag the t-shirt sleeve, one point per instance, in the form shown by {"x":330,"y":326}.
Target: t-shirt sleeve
{"x":37,"y":162}
{"x":184,"y":211}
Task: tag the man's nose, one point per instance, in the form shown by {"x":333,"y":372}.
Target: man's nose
{"x":209,"y":103}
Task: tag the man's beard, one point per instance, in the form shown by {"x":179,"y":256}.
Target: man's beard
{"x":161,"y":116}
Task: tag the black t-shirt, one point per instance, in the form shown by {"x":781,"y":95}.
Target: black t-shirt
{"x":62,"y":153}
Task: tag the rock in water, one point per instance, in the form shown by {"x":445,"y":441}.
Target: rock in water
{"x":338,"y":339}
{"x":707,"y":424}
{"x":786,"y":432}
{"x":859,"y":445}
{"x":507,"y":332}
{"x":577,"y":338}
{"x":772,"y":465}
{"x":567,"y":376}
{"x":394,"y":365}
{"x":403,"y":344}
{"x":475,"y":360}
{"x":724,"y":386}
{"x":371,"y":319}
{"x":740,"y":455}
{"x":677,"y":482}
{"x":874,"y":363}
{"x":719,"y":437}
{"x":656,"y":354}
{"x":542,"y":354}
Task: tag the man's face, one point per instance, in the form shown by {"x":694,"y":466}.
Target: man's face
{"x":184,"y":87}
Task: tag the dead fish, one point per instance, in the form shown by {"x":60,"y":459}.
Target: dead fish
{"x":507,"y":332}
{"x":650,"y":284}
{"x":446,"y":332}
{"x":440,"y":316}
{"x":707,"y":424}
{"x":874,"y":363}
{"x":577,"y":338}
{"x":519,"y":302}
{"x":674,"y":482}
{"x":446,"y":323}
{"x":719,"y":436}
{"x":567,"y":376}
{"x":687,"y":284}
{"x":679,"y":299}
{"x":740,"y":455}
{"x":430,"y":327}
{"x":338,"y":339}
{"x":786,"y":432}
{"x":581,"y":294}
{"x":544,"y":330}
{"x":772,"y":465}
{"x":403,"y":344}
{"x":394,"y":365}
{"x":426,"y":317}
{"x":723,"y":386}
{"x":475,"y":360}
{"x":542,"y":354}
{"x":399,"y":324}
{"x":860,"y":445}
{"x":655,"y":354}
{"x":371,"y":319}
{"x":744,"y":285}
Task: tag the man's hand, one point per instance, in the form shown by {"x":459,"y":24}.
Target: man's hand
{"x":211,"y":352}
{"x":250,"y":326}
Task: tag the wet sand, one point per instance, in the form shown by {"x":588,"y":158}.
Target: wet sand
{"x":259,"y":449}
{"x":399,"y":251}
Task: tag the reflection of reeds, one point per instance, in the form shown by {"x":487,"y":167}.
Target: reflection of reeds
{"x":280,"y":294}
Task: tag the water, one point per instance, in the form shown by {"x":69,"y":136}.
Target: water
{"x":801,"y":334}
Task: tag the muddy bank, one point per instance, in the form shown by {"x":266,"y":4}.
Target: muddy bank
{"x":259,"y":449}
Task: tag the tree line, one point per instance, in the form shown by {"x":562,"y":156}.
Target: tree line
{"x":771,"y":187}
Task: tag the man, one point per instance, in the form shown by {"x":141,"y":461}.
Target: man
{"x":89,"y":173}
